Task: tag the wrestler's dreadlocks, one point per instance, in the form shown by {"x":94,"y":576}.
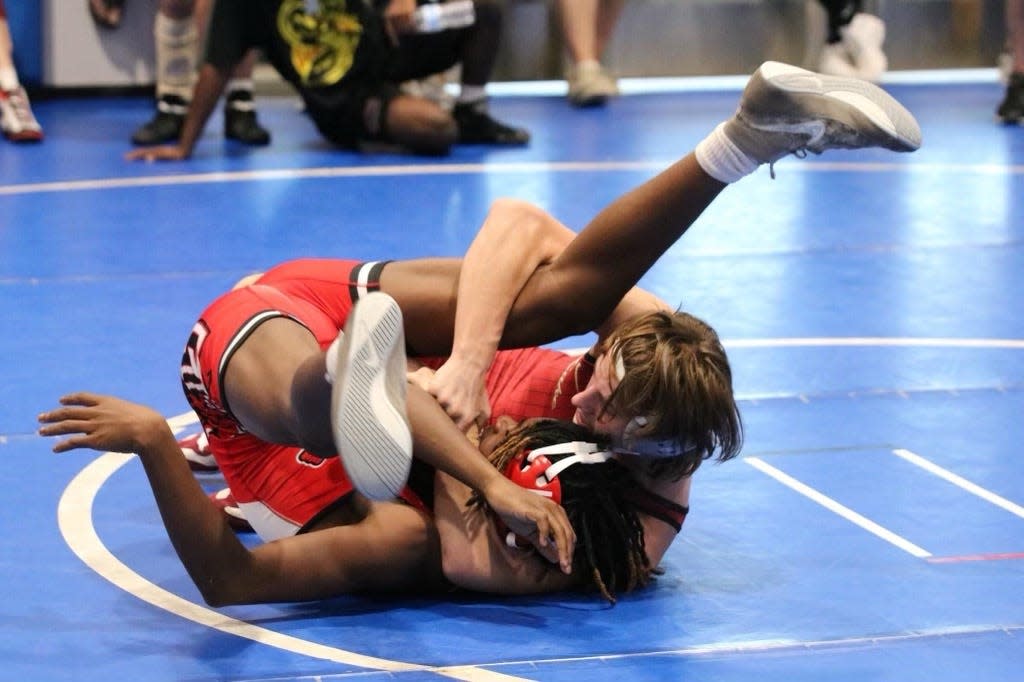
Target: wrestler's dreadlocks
{"x":596,"y":497}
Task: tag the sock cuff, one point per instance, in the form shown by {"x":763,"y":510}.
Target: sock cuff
{"x":9,"y":79}
{"x":236,"y":84}
{"x":471,"y":94}
{"x":164,"y":89}
{"x":721,"y":159}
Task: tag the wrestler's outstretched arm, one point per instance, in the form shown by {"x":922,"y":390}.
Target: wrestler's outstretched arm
{"x":395,"y":547}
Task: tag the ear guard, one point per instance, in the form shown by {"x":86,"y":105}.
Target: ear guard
{"x":532,"y":470}
{"x":646,"y":446}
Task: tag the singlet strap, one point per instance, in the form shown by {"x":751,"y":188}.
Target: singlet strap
{"x":659,"y":507}
{"x":365,"y":278}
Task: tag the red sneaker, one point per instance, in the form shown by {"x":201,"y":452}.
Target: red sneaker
{"x":196,"y":449}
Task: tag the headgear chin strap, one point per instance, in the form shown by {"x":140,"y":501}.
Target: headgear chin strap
{"x":531,"y":469}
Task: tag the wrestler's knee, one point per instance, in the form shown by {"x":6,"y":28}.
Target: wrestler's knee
{"x":421,"y":125}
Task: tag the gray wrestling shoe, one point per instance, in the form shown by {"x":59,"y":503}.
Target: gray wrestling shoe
{"x":368,"y":418}
{"x":788,"y":110}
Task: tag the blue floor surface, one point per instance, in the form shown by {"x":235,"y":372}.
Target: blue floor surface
{"x":870,"y":303}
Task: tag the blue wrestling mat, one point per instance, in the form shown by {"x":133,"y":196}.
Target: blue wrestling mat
{"x":872,"y":530}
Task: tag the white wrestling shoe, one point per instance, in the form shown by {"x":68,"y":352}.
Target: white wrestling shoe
{"x":788,"y":110}
{"x":371,"y":429}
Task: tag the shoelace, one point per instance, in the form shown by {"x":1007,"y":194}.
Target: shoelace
{"x":798,"y":153}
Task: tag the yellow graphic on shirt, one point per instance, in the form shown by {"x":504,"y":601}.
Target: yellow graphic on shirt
{"x":323,"y":44}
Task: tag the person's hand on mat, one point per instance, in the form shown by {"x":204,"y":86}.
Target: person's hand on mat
{"x":164,"y":153}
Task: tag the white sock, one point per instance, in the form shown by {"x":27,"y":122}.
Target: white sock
{"x":177,"y":55}
{"x":9,"y":79}
{"x":236,"y":87}
{"x":239,"y":84}
{"x":722,"y":159}
{"x":471,"y":94}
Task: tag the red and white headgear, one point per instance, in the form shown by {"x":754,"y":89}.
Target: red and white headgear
{"x":533,"y":470}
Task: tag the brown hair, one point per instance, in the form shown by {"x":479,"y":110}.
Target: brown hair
{"x":677,"y":376}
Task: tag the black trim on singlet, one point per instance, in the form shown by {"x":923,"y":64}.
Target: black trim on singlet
{"x":238,"y":340}
{"x":659,"y":507}
{"x":421,"y":482}
{"x":364,"y":278}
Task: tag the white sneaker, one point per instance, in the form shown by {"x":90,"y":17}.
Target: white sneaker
{"x":371,"y":429}
{"x":788,"y":110}
{"x":863,"y":38}
{"x":16,"y":118}
{"x":591,"y":85}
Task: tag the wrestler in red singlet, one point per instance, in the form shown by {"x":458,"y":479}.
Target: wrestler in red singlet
{"x":280,"y":488}
{"x":533,"y":382}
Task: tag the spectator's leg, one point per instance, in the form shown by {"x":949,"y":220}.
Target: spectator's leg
{"x":1011,"y":109}
{"x":16,"y":118}
{"x":587,"y":26}
{"x":240,"y":122}
{"x":177,"y":52}
{"x":478,"y":53}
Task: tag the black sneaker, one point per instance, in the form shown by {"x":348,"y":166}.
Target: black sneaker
{"x":240,"y":120}
{"x":166,"y":125}
{"x":477,"y":127}
{"x":1012,"y":108}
